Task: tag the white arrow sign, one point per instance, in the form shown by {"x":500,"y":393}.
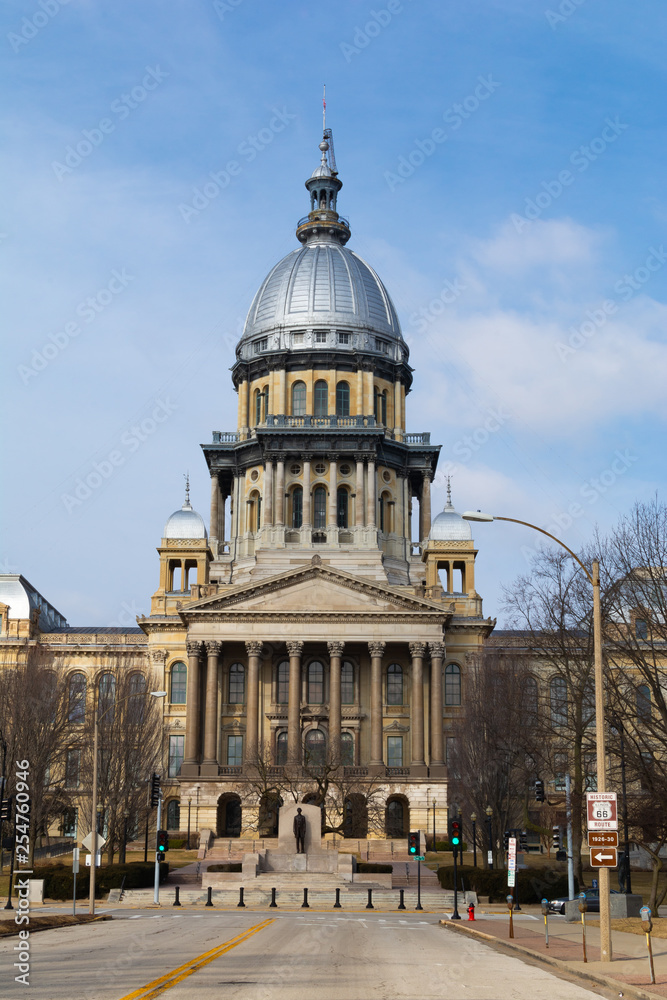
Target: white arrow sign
{"x":603,"y":857}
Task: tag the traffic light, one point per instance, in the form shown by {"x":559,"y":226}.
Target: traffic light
{"x":155,"y":789}
{"x":506,"y":839}
{"x":539,"y":791}
{"x":413,"y":842}
{"x":162,"y":842}
{"x":455,"y":834}
{"x":6,"y":813}
{"x":523,"y":840}
{"x":556,"y":839}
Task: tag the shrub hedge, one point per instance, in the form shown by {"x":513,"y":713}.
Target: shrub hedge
{"x":228,"y":866}
{"x":177,"y":843}
{"x":444,"y":845}
{"x":59,"y":880}
{"x":369,"y":868}
{"x":533,"y":884}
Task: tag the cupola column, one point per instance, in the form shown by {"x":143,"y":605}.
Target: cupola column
{"x":335,"y":654}
{"x":332,"y":517}
{"x":192,"y":721}
{"x":210,"y":764}
{"x":361,"y":497}
{"x":417,"y":651}
{"x":294,"y":648}
{"x":280,"y":491}
{"x":376,"y":650}
{"x":254,"y":650}
{"x":370,"y":495}
{"x":398,"y":427}
{"x":437,"y":650}
{"x":307,"y":522}
{"x":268,"y":492}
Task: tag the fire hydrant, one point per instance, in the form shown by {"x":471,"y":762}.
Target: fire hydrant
{"x":471,"y":912}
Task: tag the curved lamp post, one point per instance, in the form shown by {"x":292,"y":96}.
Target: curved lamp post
{"x":98,"y":718}
{"x":593,"y":578}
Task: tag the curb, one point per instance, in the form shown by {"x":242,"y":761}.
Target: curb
{"x":635,"y":991}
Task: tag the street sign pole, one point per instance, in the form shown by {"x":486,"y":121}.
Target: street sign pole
{"x":156,"y":894}
{"x":570,"y":853}
{"x":600,"y":739}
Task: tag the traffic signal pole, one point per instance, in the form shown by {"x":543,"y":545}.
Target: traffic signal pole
{"x":156,"y":894}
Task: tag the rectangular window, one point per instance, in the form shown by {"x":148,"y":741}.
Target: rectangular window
{"x":641,"y":629}
{"x":347,"y":684}
{"x":234,"y":751}
{"x":72,"y":769}
{"x":298,"y":339}
{"x":70,"y":823}
{"x":176,"y":744}
{"x":394,"y":751}
{"x":560,"y":770}
{"x":261,"y":345}
{"x":320,"y":336}
{"x":343,"y":337}
{"x":381,"y":345}
{"x":283,"y":683}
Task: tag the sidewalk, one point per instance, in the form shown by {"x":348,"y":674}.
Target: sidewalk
{"x":629,"y":969}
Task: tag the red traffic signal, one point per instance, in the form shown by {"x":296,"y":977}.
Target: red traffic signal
{"x":413,"y":842}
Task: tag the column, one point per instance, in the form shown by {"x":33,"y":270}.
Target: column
{"x":280,"y":492}
{"x":369,"y":392}
{"x":361,"y":496}
{"x":398,"y":428}
{"x":332,"y":518}
{"x":211,"y":706}
{"x":221,"y":519}
{"x":215,"y":515}
{"x":294,"y":648}
{"x":335,"y":655}
{"x":268,"y":493}
{"x":370,"y":495}
{"x":307,"y":522}
{"x":360,"y":392}
{"x":437,"y":651}
{"x":425,"y":507}
{"x":191,"y":755}
{"x":280,"y":406}
{"x":376,"y":650}
{"x":254,"y":650}
{"x":417,"y":650}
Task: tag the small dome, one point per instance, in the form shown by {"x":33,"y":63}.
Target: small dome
{"x":449,"y":526}
{"x":185,"y":523}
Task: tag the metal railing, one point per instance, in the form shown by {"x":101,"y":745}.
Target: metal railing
{"x":54,"y":850}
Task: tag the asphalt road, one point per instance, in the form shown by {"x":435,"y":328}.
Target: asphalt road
{"x":255,"y":956}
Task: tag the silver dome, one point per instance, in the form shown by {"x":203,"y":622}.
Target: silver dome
{"x":185,"y":523}
{"x":449,"y":526}
{"x":322,"y":286}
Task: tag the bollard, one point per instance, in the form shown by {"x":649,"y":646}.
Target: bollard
{"x":401,"y":905}
{"x":177,"y":899}
{"x":209,"y":901}
{"x":240,"y":902}
{"x":471,"y":912}
{"x":583,"y":906}
{"x":273,"y":903}
{"x":337,"y":905}
{"x":305,"y":905}
{"x":369,"y":904}
{"x":545,"y":911}
{"x":510,"y":907}
{"x":647,"y":925}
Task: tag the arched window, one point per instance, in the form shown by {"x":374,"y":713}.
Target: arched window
{"x":77,"y":698}
{"x":384,"y":518}
{"x":321,"y":399}
{"x":347,"y":683}
{"x":236,"y":684}
{"x":137,"y":685}
{"x":347,"y":749}
{"x":258,"y":406}
{"x":254,"y":512}
{"x":342,"y":507}
{"x":452,"y":684}
{"x":297,"y":507}
{"x":395,"y":817}
{"x":530,"y":700}
{"x":106,"y":698}
{"x":179,"y":683}
{"x":315,"y":683}
{"x":173,"y":815}
{"x":315,"y":747}
{"x":319,"y":508}
{"x":342,"y":399}
{"x":281,"y":749}
{"x":50,"y":696}
{"x":380,"y":407}
{"x":136,"y":702}
{"x":298,"y":399}
{"x":558,"y":700}
{"x":282,"y":693}
{"x":643,"y":703}
{"x":394,"y":684}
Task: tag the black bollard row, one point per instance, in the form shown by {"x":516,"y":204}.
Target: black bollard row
{"x":401,"y":905}
{"x":177,"y":896}
{"x":337,"y":905}
{"x":305,"y":905}
{"x":369,"y":904}
{"x":209,"y":901}
{"x":273,"y":903}
{"x":240,"y":902}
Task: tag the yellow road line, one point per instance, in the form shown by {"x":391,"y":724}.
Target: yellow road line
{"x":158,"y":986}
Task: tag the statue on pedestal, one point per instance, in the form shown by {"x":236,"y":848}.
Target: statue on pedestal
{"x":299,"y":828}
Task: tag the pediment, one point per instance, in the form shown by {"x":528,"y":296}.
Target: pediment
{"x":311,"y":589}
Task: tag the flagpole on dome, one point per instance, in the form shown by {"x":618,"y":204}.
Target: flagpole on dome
{"x":324,"y":108}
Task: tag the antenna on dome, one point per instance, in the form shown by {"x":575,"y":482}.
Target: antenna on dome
{"x":187,"y":488}
{"x":449,"y":491}
{"x":324,"y":107}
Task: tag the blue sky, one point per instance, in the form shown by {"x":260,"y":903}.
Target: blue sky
{"x":503,"y":169}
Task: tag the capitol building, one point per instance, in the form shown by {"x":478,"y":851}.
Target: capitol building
{"x":320,"y":630}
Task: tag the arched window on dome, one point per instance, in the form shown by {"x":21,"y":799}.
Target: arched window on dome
{"x":299,"y":399}
{"x":342,"y":399}
{"x":321,"y":399}
{"x":258,"y":406}
{"x":319,"y":508}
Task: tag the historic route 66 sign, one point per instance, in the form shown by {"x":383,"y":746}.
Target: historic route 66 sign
{"x":601,"y":809}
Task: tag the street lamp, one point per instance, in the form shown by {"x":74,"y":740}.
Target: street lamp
{"x":93,"y":811}
{"x":473,"y":820}
{"x":593,"y":578}
{"x":489,"y":831}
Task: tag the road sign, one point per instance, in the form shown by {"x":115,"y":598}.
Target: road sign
{"x":604,"y":857}
{"x":75,"y":860}
{"x":511,"y":879}
{"x":606,"y":839}
{"x":98,"y":860}
{"x":601,"y":809}
{"x":87,"y":842}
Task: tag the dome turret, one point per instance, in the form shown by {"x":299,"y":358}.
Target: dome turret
{"x":449,"y":526}
{"x":186,"y":522}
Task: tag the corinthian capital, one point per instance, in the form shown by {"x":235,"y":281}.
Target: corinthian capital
{"x":213,"y":647}
{"x":158,"y":656}
{"x":376,"y":648}
{"x":254,"y":648}
{"x":417,"y":649}
{"x":295,"y":647}
{"x":437,"y":650}
{"x":335,"y":648}
{"x":193,"y":648}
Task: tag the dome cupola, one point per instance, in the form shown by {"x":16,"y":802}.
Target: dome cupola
{"x":186,"y":522}
{"x":449,"y":526}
